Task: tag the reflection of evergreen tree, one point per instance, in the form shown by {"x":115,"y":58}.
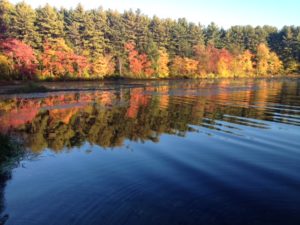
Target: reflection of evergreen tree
{"x":4,"y":177}
{"x":10,"y":155}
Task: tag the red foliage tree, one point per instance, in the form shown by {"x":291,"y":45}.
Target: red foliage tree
{"x":23,"y":56}
{"x":139,"y":64}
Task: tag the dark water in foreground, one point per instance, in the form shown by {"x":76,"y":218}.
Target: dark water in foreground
{"x":172,"y":152}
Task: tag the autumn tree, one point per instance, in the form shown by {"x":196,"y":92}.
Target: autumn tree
{"x":200,"y":54}
{"x":190,"y":67}
{"x":97,"y":36}
{"x":224,"y":63}
{"x":22,"y":56}
{"x":59,"y":61}
{"x":162,"y":64}
{"x":208,"y":58}
{"x":262,"y":57}
{"x":243,"y":65}
{"x":267,"y":62}
{"x":103,"y":66}
{"x":139,"y":64}
{"x":184,"y":67}
{"x":275,"y":64}
{"x":6,"y":68}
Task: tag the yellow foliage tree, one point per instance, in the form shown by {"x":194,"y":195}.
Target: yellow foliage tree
{"x":267,"y":61}
{"x":162,"y":64}
{"x":223,"y":68}
{"x":103,"y":66}
{"x":275,"y":64}
{"x":243,"y":65}
{"x":263,"y":55}
{"x":6,"y":68}
{"x":190,"y":67}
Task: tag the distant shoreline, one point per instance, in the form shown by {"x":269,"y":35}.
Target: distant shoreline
{"x":27,"y":87}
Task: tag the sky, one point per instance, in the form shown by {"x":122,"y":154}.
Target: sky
{"x":224,"y":13}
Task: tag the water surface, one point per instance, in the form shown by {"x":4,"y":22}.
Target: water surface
{"x":169,"y":152}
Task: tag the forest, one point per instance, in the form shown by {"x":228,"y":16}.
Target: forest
{"x":72,"y":44}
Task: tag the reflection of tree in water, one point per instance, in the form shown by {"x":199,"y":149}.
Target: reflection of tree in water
{"x":11,"y":152}
{"x":4,"y":177}
{"x":60,"y":122}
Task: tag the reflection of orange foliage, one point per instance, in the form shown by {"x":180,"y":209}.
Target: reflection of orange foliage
{"x":61,"y":107}
{"x":164,"y":96}
{"x":262,"y":93}
{"x":137,"y":99}
{"x":106,"y":98}
{"x":224,"y":94}
{"x":16,"y":118}
{"x":63,"y":115}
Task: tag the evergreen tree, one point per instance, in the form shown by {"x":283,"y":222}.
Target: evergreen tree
{"x":49,"y":23}
{"x":159,"y":32}
{"x":76,"y":28}
{"x":213,"y":35}
{"x":129,"y":21}
{"x":22,"y":24}
{"x":6,"y":10}
{"x":116,"y":35}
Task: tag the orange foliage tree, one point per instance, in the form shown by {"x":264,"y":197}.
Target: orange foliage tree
{"x":139,"y":64}
{"x":208,"y":58}
{"x":221,"y":62}
{"x":183,"y":66}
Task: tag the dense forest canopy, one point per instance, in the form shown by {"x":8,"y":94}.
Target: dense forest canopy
{"x":50,"y":43}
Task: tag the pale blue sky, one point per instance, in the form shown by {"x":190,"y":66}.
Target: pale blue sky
{"x":223,"y":12}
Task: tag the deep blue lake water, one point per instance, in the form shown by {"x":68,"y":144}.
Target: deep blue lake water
{"x":168,"y":152}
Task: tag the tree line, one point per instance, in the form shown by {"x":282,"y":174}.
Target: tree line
{"x":50,"y":43}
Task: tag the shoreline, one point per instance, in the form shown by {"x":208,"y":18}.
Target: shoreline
{"x":28,"y":87}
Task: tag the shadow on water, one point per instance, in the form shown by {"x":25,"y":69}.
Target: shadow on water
{"x":204,"y":152}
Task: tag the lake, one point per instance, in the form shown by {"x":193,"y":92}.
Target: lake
{"x":161,"y":152}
